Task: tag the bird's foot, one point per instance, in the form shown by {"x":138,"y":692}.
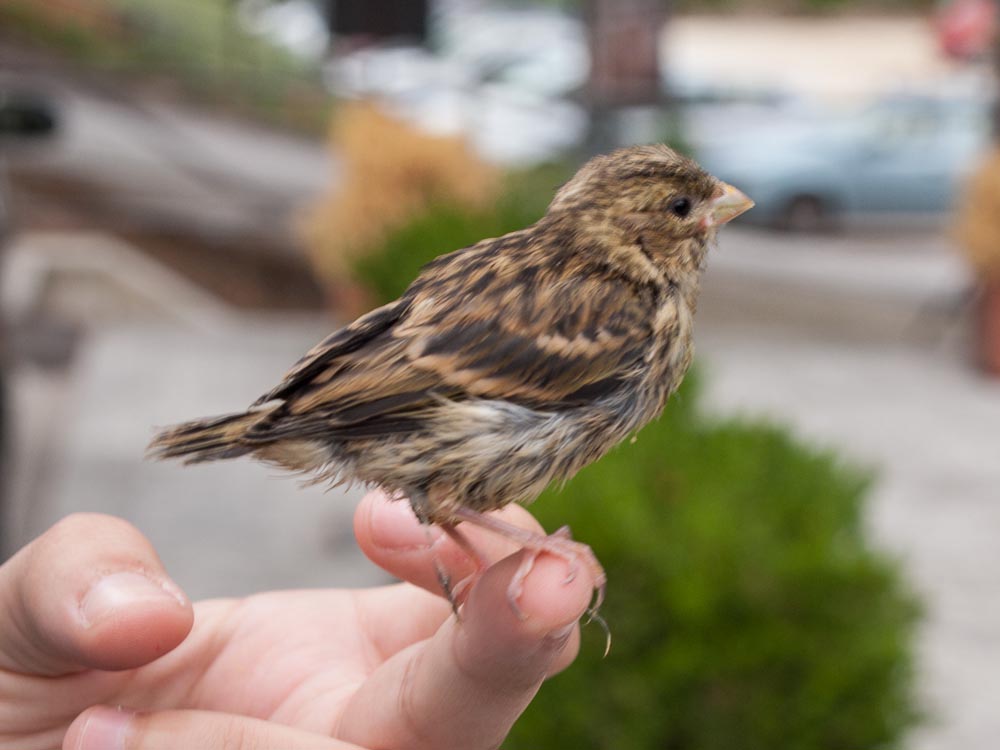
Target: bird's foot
{"x":560,"y":544}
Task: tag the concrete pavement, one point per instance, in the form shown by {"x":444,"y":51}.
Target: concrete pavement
{"x":225,"y":529}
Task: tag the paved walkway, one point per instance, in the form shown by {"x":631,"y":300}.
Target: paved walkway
{"x":223,"y":529}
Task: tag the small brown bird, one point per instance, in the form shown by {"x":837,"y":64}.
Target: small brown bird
{"x":506,"y":365}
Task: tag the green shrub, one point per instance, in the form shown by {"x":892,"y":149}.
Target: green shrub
{"x":748,"y":610}
{"x":387,"y":271}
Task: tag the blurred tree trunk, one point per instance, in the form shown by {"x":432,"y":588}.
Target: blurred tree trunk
{"x":624,"y":38}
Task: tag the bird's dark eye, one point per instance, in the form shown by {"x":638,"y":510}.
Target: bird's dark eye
{"x":680,"y":207}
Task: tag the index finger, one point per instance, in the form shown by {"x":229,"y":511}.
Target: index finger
{"x":465,"y":686}
{"x":391,"y":536}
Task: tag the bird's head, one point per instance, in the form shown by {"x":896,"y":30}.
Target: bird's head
{"x":650,"y":190}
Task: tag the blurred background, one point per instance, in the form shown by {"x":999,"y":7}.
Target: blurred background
{"x":802,"y":552}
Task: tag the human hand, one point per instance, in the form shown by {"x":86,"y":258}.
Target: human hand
{"x":90,"y":620}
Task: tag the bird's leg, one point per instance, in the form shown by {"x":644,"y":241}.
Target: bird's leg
{"x":444,"y":579}
{"x":559,"y":544}
{"x":465,"y":544}
{"x":420,"y":503}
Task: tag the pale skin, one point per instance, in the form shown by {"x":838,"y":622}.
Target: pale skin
{"x":100,"y":651}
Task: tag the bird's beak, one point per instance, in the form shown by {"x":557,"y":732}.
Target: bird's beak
{"x":728,"y":205}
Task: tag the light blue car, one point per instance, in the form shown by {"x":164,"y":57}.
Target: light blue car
{"x":899,"y":159}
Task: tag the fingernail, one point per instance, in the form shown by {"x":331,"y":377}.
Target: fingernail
{"x":117,"y":591}
{"x":394,"y":526}
{"x":106,"y":728}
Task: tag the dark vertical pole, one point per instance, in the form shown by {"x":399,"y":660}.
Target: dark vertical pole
{"x":600,"y":136}
{"x":624,"y":42}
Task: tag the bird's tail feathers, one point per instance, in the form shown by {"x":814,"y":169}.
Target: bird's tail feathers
{"x":210,"y":439}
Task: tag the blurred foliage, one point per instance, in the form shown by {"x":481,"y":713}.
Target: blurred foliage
{"x":86,"y":31}
{"x":444,"y":227}
{"x":747,"y":606}
{"x":748,"y":609}
{"x":978,"y":223}
{"x":389,"y":172}
{"x":193,"y":48}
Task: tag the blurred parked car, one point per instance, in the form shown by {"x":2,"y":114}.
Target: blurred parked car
{"x":902,"y":157}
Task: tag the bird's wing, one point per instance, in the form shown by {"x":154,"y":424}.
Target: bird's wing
{"x":540,"y":344}
{"x":323,"y":358}
{"x":547,"y":344}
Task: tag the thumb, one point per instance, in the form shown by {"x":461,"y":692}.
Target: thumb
{"x":88,"y":593}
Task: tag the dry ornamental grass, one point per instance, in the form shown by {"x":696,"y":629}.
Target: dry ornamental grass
{"x":978,"y":226}
{"x":390,"y":173}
